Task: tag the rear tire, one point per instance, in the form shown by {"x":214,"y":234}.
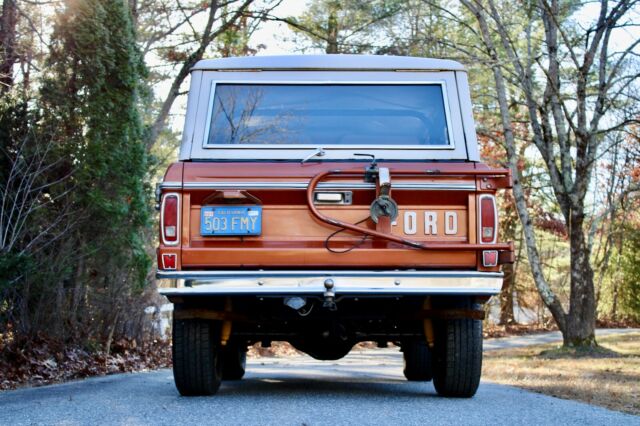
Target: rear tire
{"x":458,"y":356}
{"x":417,"y":361}
{"x":195,"y":357}
{"x":234,"y":362}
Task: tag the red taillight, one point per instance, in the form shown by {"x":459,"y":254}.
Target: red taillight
{"x":169,"y":219}
{"x":488,"y":219}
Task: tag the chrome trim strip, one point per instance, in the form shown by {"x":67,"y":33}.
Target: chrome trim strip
{"x":314,"y":273}
{"x":171,"y":185}
{"x":346,"y":282}
{"x":322,"y":185}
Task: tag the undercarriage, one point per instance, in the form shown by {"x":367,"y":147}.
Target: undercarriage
{"x":430,"y":330}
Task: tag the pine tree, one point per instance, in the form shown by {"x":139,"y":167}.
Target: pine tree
{"x":90,"y":101}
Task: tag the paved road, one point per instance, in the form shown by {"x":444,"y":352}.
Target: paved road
{"x":363,"y":388}
{"x":542,"y":338}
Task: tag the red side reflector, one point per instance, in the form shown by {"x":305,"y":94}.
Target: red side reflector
{"x":169,"y":261}
{"x":169,"y":219}
{"x":488,"y":219}
{"x":490,"y":258}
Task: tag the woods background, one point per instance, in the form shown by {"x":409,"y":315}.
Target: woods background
{"x":92,"y":101}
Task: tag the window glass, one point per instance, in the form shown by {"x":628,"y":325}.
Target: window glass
{"x":325,"y":115}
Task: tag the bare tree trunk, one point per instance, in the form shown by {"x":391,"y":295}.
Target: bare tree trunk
{"x":79,"y":292}
{"x":59,"y":329}
{"x":133,"y":8}
{"x":506,"y":295}
{"x":581,"y":320}
{"x":614,"y":302}
{"x":549,"y":298}
{"x":8,"y":22}
{"x":332,"y":34}
{"x":23,"y":295}
{"x":112,"y":329}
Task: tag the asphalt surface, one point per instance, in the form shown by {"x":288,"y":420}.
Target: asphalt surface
{"x":543,"y":338}
{"x":366,"y":387}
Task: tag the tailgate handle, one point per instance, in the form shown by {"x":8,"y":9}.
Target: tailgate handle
{"x":333,"y":197}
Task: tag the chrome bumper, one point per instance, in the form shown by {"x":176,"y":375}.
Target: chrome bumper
{"x":365,"y":283}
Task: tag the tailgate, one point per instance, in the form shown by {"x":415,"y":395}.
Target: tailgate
{"x":437,"y":207}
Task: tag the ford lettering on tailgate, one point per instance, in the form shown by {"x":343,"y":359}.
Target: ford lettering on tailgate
{"x":230,"y":220}
{"x":443,"y":223}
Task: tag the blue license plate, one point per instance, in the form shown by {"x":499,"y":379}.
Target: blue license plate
{"x":230,"y":220}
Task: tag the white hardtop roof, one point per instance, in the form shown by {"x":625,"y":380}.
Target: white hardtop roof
{"x":330,"y":62}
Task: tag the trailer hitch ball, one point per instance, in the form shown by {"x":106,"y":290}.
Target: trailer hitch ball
{"x":329,"y":295}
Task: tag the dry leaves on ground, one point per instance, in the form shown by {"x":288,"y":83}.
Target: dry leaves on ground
{"x":42,"y":361}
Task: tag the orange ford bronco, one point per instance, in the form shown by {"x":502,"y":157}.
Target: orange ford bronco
{"x":325,"y":201}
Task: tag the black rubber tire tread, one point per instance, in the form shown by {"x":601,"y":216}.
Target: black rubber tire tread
{"x":195,"y":358}
{"x":458,"y":358}
{"x":417,"y":361}
{"x":234,"y":362}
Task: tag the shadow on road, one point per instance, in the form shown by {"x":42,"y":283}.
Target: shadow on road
{"x":278,"y":387}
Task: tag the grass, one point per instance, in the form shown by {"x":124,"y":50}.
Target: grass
{"x":609,"y":376}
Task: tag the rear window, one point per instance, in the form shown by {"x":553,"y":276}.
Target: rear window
{"x":328,"y":114}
